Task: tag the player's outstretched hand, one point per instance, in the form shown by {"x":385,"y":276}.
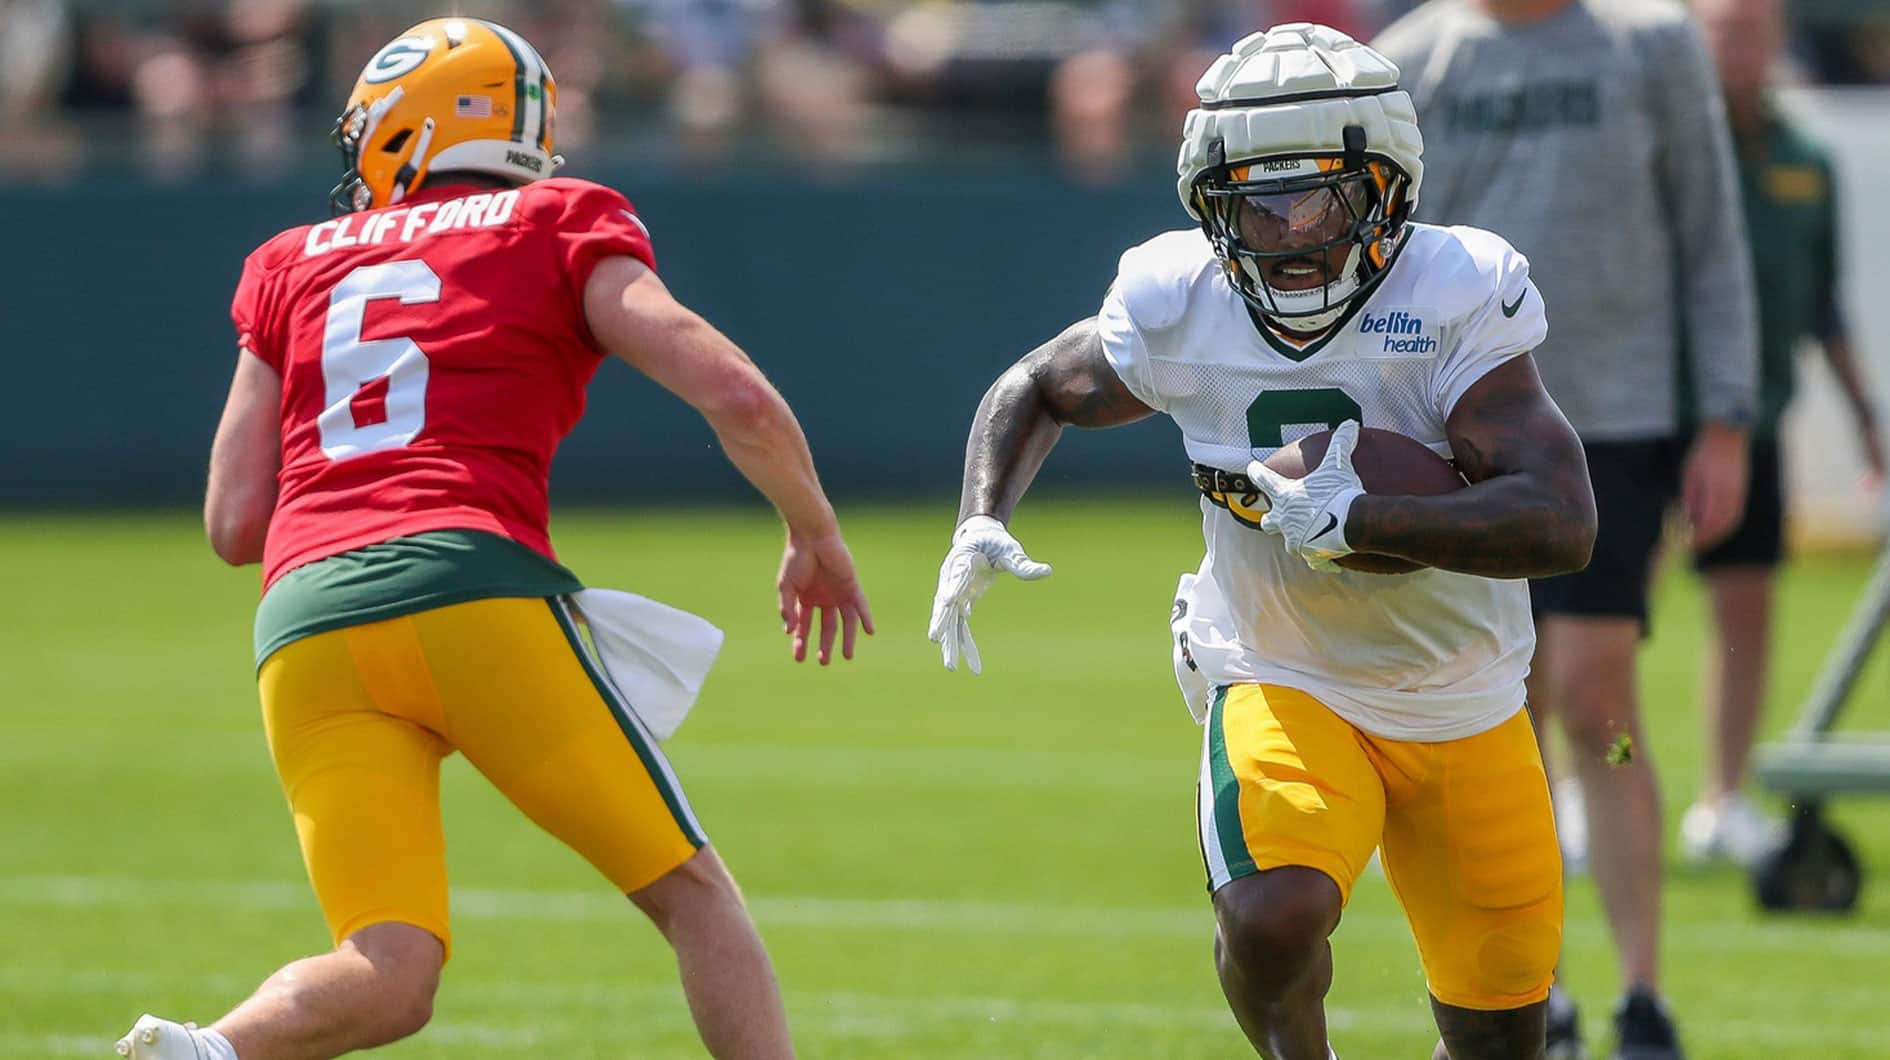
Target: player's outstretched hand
{"x":1309,"y":513}
{"x":817,"y":575}
{"x":981,"y":547}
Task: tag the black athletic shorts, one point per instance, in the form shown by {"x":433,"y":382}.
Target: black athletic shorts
{"x":1760,"y":539}
{"x":1635,"y":483}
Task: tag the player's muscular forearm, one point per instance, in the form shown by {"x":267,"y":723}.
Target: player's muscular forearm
{"x":634,"y":317}
{"x":1065,"y":382}
{"x":1528,"y":512}
{"x":767,"y":446}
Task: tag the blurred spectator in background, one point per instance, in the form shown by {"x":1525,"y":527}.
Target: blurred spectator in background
{"x":1591,"y":135}
{"x":1847,"y":43}
{"x":705,"y":48}
{"x":814,"y":72}
{"x":1192,"y":33}
{"x":258,"y":62}
{"x":35,"y":38}
{"x":740,"y":69}
{"x":189,"y":68}
{"x":1792,"y":223}
{"x":35,"y":46}
{"x":1091,"y":96}
{"x":817,"y":83}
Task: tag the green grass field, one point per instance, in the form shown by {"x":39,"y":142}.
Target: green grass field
{"x":944,"y":866}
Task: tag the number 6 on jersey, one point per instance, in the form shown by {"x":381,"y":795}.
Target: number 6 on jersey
{"x":359,"y":373}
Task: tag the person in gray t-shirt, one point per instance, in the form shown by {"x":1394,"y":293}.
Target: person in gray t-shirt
{"x":1592,"y":136}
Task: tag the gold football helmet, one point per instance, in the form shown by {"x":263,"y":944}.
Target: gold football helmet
{"x":459,"y":94}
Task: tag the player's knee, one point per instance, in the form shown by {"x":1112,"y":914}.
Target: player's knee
{"x":1272,"y":925}
{"x":1510,"y":967}
{"x":699,"y":885}
{"x":402,"y":1002}
{"x":406,"y":964}
{"x":404,"y":1011}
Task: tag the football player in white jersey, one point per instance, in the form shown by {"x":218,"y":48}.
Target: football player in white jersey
{"x":1345,"y":711}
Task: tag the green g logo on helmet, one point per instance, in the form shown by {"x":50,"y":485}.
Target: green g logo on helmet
{"x":400,"y":57}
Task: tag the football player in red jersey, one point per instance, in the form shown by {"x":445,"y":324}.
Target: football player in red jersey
{"x":405,"y":373}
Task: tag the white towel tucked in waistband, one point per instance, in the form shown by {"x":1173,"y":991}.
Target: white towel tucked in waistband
{"x":656,"y":655}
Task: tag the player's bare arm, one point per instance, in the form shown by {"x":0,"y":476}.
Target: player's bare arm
{"x":1528,"y":512}
{"x":633,"y":315}
{"x":1066,"y":382}
{"x":244,"y":459}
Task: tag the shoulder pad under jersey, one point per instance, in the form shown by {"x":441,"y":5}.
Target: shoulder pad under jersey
{"x":1154,"y":279}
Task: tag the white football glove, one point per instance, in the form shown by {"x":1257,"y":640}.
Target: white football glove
{"x":981,"y":547}
{"x":1309,"y":513}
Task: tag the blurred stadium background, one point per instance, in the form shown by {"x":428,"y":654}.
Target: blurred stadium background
{"x":885,"y":202}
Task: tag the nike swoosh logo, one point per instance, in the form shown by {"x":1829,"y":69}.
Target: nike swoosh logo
{"x":1509,"y":309}
{"x":1331,"y":521}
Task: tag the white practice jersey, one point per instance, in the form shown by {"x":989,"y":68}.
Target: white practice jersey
{"x":1427,"y":656}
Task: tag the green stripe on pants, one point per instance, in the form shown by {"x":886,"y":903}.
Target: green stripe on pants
{"x":1226,"y":793}
{"x":653,"y":762}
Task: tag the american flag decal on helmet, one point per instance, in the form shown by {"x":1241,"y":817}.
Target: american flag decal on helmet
{"x":473,"y":107}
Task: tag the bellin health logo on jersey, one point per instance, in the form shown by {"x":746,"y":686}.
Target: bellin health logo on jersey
{"x":1403,"y":332}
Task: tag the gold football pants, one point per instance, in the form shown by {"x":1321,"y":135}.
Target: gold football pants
{"x":359,"y":718}
{"x":1464,"y":828}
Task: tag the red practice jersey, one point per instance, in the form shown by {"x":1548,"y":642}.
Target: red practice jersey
{"x":433,"y":354}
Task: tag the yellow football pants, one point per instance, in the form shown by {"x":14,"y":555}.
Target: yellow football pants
{"x":1464,"y":827}
{"x":359,"y":718}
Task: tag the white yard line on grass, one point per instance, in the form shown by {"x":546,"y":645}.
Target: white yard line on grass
{"x":475,"y":903}
{"x":897,"y":914}
{"x":446,"y":1032}
{"x":845,"y":1013}
{"x":12,"y":1044}
{"x":874,"y":1015}
{"x":746,"y":765}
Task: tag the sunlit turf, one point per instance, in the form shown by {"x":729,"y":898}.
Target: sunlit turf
{"x":944,"y":865}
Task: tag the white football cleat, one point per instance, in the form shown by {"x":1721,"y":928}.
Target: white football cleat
{"x":1729,"y":829}
{"x":154,"y":1039}
{"x":1571,"y":825}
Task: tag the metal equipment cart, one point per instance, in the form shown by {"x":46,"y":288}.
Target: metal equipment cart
{"x":1813,"y":867}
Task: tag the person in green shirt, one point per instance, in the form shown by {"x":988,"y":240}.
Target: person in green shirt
{"x":1792,"y":225}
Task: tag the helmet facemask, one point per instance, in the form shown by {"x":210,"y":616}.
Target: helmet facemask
{"x":352,"y":134}
{"x":1275,"y":219}
{"x":351,"y":194}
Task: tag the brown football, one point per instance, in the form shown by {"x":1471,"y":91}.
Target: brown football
{"x":1387,"y":463}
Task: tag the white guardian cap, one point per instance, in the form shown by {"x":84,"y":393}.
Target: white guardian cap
{"x":1302,"y":163}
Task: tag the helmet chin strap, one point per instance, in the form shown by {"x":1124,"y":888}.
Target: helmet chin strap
{"x":1300,"y":310}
